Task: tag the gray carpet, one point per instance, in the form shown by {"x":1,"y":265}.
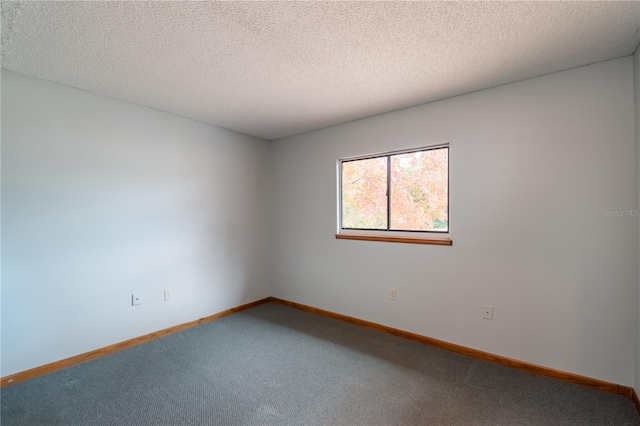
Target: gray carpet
{"x":275,"y":365}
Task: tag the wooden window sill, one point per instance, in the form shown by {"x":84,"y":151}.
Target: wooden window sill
{"x":406,"y":240}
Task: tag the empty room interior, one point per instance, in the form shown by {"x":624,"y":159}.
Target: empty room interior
{"x":320,"y":213}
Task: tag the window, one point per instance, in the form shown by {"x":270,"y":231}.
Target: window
{"x":396,"y":196}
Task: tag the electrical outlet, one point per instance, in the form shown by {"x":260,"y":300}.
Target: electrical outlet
{"x":167,"y":295}
{"x":392,"y":294}
{"x":487,"y":312}
{"x":136,"y":299}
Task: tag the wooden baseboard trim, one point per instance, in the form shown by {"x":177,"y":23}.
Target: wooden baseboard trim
{"x":521,"y":365}
{"x":97,"y":353}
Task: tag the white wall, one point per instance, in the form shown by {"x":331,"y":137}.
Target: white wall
{"x":534,"y":165}
{"x":102,"y":198}
{"x":636,"y":80}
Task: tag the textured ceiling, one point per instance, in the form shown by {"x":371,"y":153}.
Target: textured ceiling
{"x":273,"y":69}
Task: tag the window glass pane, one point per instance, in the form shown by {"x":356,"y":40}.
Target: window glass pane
{"x":364,"y":194}
{"x":419,"y":191}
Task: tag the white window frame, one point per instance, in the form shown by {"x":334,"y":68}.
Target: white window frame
{"x":418,"y":237}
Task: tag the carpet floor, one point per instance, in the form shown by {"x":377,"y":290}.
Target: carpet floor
{"x":274,"y":365}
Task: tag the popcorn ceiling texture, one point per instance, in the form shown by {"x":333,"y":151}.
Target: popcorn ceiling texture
{"x":273,"y":69}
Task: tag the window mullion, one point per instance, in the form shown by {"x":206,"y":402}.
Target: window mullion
{"x":388,"y":192}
